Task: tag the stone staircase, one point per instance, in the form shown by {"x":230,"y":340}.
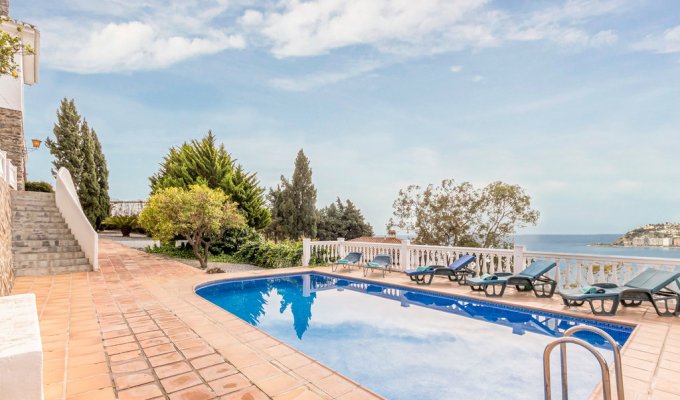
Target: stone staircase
{"x":42,"y":243}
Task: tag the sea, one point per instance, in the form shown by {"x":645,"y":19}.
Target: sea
{"x":586,"y":244}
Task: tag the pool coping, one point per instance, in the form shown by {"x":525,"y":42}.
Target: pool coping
{"x":505,"y":301}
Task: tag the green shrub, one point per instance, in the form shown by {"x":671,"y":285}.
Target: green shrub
{"x":320,"y":256}
{"x":233,"y":239}
{"x":200,"y":214}
{"x":125,"y":223}
{"x":186,"y":252}
{"x":262,"y":253}
{"x":39,"y":187}
{"x":266,"y":254}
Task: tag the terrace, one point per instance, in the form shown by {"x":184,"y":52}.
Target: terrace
{"x":135,"y":329}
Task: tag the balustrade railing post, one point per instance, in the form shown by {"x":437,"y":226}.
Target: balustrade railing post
{"x":306,"y":251}
{"x":404,"y":259}
{"x":518,"y":259}
{"x":341,"y":248}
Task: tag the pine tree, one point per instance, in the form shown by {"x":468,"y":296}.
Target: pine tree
{"x":294,"y":203}
{"x":66,"y":146}
{"x":88,"y":186}
{"x":342,"y":220}
{"x":203,"y":162}
{"x":102,"y":179}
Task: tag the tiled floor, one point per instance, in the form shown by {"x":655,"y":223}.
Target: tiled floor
{"x":136,"y":330}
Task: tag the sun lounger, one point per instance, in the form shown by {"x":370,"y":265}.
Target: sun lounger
{"x":347,"y":262}
{"x":457,"y":271}
{"x":532,"y":277}
{"x":651,"y":285}
{"x":381,"y":262}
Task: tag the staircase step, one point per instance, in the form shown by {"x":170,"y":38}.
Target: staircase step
{"x":52,"y":270}
{"x":36,"y":213}
{"x":18,"y":199}
{"x":46,"y":208}
{"x":49,"y":256}
{"x":21,"y":196}
{"x":42,"y":234}
{"x":19,"y":226}
{"x":44,"y":242}
{"x":47,"y":264}
{"x":40,"y":220}
{"x":29,"y":194}
{"x":20,"y":251}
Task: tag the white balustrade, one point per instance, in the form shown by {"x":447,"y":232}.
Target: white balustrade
{"x":3,"y":165}
{"x":69,"y":205}
{"x":8,"y":172}
{"x":11,"y":175}
{"x":573,"y":270}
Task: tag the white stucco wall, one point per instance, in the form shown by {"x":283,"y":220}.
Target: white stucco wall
{"x":21,"y":358}
{"x":12,"y":89}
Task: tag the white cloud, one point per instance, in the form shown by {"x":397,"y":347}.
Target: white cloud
{"x":563,"y":24}
{"x":456,"y":68}
{"x":477,"y":78}
{"x":125,"y":35}
{"x":668,"y":42}
{"x":604,"y":38}
{"x":133,"y":46}
{"x":251,"y":18}
{"x":313,"y":81}
{"x":317,"y":27}
{"x":410,"y":28}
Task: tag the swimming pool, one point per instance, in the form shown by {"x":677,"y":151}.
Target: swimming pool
{"x":407,"y":344}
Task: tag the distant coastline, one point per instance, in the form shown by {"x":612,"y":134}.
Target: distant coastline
{"x":597,"y":244}
{"x":651,"y":235}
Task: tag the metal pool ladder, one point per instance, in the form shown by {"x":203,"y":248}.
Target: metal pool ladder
{"x":568,"y":338}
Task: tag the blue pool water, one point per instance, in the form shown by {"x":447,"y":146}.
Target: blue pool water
{"x":408,"y":344}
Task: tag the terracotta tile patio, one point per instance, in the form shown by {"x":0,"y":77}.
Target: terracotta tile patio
{"x":136,"y":330}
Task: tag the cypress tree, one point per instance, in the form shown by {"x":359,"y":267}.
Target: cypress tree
{"x":88,"y":187}
{"x":202,"y":161}
{"x":102,"y":171}
{"x":294,"y":203}
{"x":277,"y":229}
{"x":302,"y":194}
{"x":66,"y":147}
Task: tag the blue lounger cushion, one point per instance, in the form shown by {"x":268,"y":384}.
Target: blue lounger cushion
{"x":382,"y":261}
{"x":592,"y":290}
{"x":343,"y":261}
{"x":457,"y":265}
{"x":480,"y":280}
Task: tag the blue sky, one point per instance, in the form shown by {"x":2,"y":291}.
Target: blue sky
{"x":576,"y":101}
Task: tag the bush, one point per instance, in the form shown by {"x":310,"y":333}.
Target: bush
{"x":233,"y":239}
{"x":39,"y":187}
{"x":266,"y":254}
{"x":200,"y":214}
{"x":125,"y":223}
{"x":186,"y":252}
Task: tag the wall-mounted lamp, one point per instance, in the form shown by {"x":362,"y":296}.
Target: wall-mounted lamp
{"x":36,"y":145}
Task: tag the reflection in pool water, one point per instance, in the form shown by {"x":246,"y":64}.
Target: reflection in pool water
{"x":407,"y":344}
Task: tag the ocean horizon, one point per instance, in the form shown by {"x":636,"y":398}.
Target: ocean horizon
{"x":588,"y":244}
